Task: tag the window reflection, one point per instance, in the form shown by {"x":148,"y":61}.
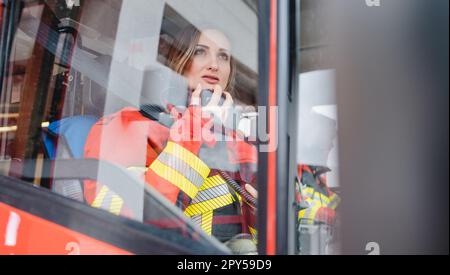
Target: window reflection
{"x":317,"y":187}
{"x":93,"y":103}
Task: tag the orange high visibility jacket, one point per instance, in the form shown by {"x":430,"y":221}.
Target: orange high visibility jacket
{"x":174,"y":169}
{"x":321,"y":202}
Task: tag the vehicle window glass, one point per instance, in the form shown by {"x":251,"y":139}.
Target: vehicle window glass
{"x":101,"y":104}
{"x":317,"y":186}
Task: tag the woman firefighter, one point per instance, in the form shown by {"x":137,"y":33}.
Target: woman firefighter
{"x":172,"y":163}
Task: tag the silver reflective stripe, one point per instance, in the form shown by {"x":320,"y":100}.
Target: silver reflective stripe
{"x":307,"y":212}
{"x":211,"y":193}
{"x":334,"y":201}
{"x":107,"y":200}
{"x":183,"y":168}
{"x":69,"y":188}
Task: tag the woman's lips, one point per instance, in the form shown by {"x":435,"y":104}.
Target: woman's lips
{"x":210,"y":80}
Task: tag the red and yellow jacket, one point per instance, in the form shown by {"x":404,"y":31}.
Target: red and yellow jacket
{"x":320,"y":202}
{"x":174,"y":169}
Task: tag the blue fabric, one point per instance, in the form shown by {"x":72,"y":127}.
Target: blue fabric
{"x":74,"y":130}
{"x":49,"y":144}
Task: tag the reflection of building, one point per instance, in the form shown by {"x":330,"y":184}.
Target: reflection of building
{"x":317,"y":124}
{"x":317,"y":141}
{"x":72,"y":66}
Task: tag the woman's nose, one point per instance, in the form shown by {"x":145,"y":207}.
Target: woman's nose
{"x":213,"y":64}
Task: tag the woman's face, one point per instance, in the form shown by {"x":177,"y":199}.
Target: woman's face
{"x":211,"y":63}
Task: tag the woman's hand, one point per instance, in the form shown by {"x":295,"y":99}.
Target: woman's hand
{"x":193,"y":128}
{"x":221,"y":112}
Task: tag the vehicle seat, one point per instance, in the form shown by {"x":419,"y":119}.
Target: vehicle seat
{"x":65,"y":139}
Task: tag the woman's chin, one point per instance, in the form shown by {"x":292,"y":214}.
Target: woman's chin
{"x":210,"y":86}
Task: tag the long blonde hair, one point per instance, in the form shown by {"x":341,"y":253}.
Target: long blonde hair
{"x":182,"y":51}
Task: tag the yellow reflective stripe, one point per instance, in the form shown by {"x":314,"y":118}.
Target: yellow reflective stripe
{"x":211,"y":193}
{"x":205,"y":206}
{"x":208,"y":205}
{"x":212,"y":182}
{"x":207,"y":222}
{"x":317,"y":196}
{"x":308,"y":191}
{"x":254,"y":234}
{"x":116,"y":202}
{"x":100,"y":197}
{"x":305,"y":220}
{"x":302,"y":213}
{"x":174,"y":177}
{"x":188,"y":157}
{"x":334,"y":201}
{"x":324,"y":199}
{"x":116,"y":205}
{"x":312,"y":214}
{"x":307,"y":215}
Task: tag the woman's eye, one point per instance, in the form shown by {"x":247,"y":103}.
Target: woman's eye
{"x":224,"y":56}
{"x":199,"y":52}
